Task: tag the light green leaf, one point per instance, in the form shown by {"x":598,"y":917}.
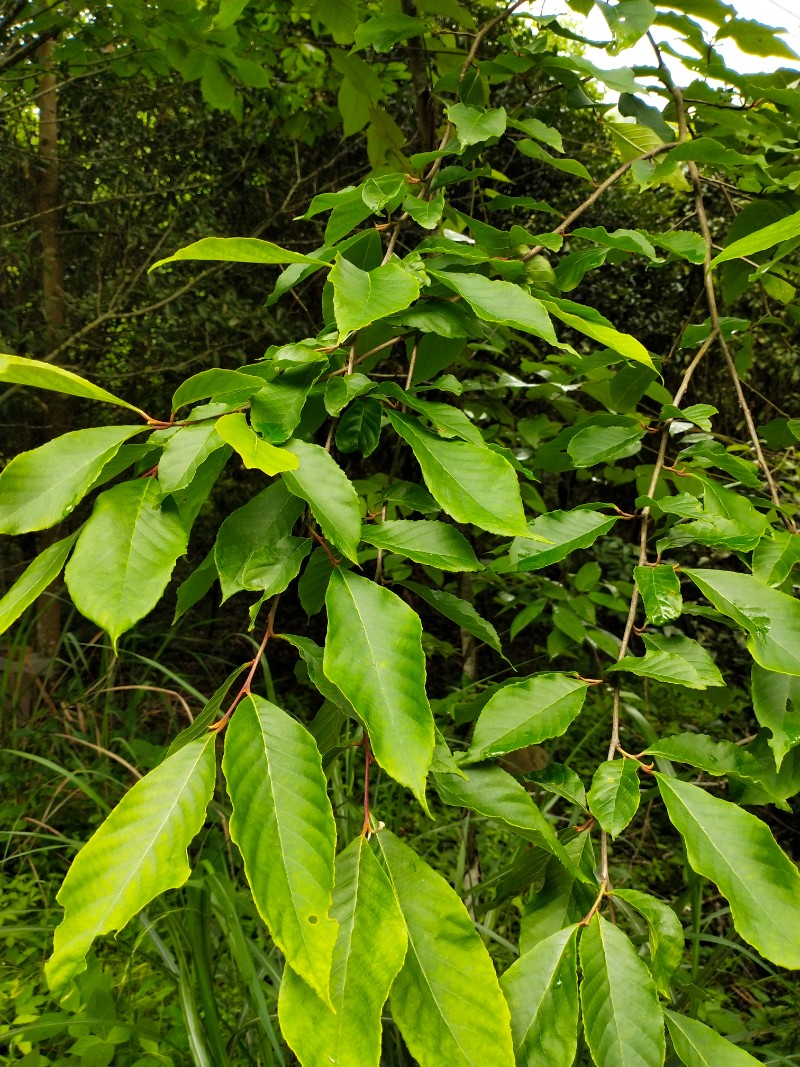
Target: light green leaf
{"x":767,"y":237}
{"x":459,"y":611}
{"x":678,"y":660}
{"x":660,"y":590}
{"x":526,"y":713}
{"x":698,"y":1045}
{"x":184,"y":453}
{"x":41,"y":487}
{"x":713,"y":757}
{"x":739,"y":854}
{"x":360,"y":297}
{"x":602,"y":444}
{"x":474,"y":125}
{"x":627,"y":240}
{"x":493,"y":792}
{"x":666,"y":935}
{"x":223,"y":385}
{"x":541,"y":989}
{"x":771,"y":618}
{"x":775,"y":557}
{"x":776,"y":702}
{"x":501,"y":302}
{"x":373,"y":653}
{"x":34,"y":580}
{"x":321,"y":482}
{"x":607,"y":336}
{"x":256,"y":453}
{"x":426,"y":213}
{"x":446,"y":999}
{"x":312,"y":655}
{"x":614,"y":794}
{"x":561,"y":780}
{"x":622,"y":1018}
{"x":273,"y":571}
{"x":553,"y":536}
{"x":384,"y":31}
{"x":436,"y":544}
{"x":728,"y":519}
{"x":251,"y":533}
{"x":340,"y":390}
{"x":41,"y":375}
{"x":565,"y":164}
{"x":683,"y":243}
{"x":472,"y":484}
{"x":136,"y":854}
{"x":235,"y":250}
{"x":124,"y":556}
{"x":283,"y":825}
{"x":370,"y":949}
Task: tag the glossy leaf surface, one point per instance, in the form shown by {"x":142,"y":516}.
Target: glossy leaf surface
{"x":437,"y":544}
{"x":254,"y":451}
{"x":698,"y":1045}
{"x":41,"y":375}
{"x":677,"y":659}
{"x":283,"y":825}
{"x":660,"y":590}
{"x":136,"y":854}
{"x":553,"y":536}
{"x":446,"y":999}
{"x":373,"y":653}
{"x":321,"y":482}
{"x":666,"y":935}
{"x":614,"y":794}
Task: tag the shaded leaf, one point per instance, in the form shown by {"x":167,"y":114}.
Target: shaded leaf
{"x":459,"y":611}
{"x":359,"y":429}
{"x":561,"y":780}
{"x":776,"y":556}
{"x":678,"y":660}
{"x":776,"y":702}
{"x":660,"y":589}
{"x":321,"y":482}
{"x":34,"y":580}
{"x":136,"y":854}
{"x":698,"y":1045}
{"x":283,"y":825}
{"x":553,"y":536}
{"x":563,"y":898}
{"x":501,"y":302}
{"x":666,"y":935}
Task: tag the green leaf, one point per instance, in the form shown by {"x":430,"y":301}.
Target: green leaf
{"x":614,"y":794}
{"x":340,"y":390}
{"x":41,"y":375}
{"x":124,"y":556}
{"x":776,"y":702}
{"x":184,"y":454}
{"x":235,"y":250}
{"x":436,"y":544}
{"x":603,"y":444}
{"x":373,"y":653}
{"x":541,"y":989}
{"x":472,"y":484}
{"x":34,"y":580}
{"x":678,"y":660}
{"x":275,"y":570}
{"x":627,"y":240}
{"x":607,"y":336}
{"x":713,"y":757}
{"x":526,"y":713}
{"x":251,"y":533}
{"x":195,"y":587}
{"x":370,"y":949}
{"x":446,"y":999}
{"x":198,"y":728}
{"x":493,"y":792}
{"x":223,"y":385}
{"x":660,"y":590}
{"x":475,"y":125}
{"x":563,"y":898}
{"x":622,"y":1018}
{"x":553,"y":536}
{"x":361,"y":297}
{"x":767,"y":237}
{"x":321,"y":482}
{"x":501,"y":302}
{"x":683,"y":243}
{"x":728,"y":520}
{"x":41,"y":487}
{"x":426,"y":213}
{"x":459,"y":611}
{"x":775,"y":557}
{"x":771,"y":618}
{"x":359,"y":429}
{"x":313,"y":657}
{"x":276,"y":410}
{"x":139,"y":852}
{"x":561,"y":780}
{"x":755,"y":38}
{"x":666,"y":935}
{"x":698,"y":1045}
{"x":737,"y":852}
{"x":283,"y":825}
{"x":256,"y":453}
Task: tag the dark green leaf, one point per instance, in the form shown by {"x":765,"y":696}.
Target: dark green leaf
{"x":34,"y":580}
{"x":614,"y":795}
{"x":566,"y":531}
{"x":776,"y":702}
{"x":678,"y":660}
{"x":660,"y":590}
{"x":460,"y":612}
{"x":561,"y":780}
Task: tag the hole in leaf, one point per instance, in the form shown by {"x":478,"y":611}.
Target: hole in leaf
{"x":313,"y":919}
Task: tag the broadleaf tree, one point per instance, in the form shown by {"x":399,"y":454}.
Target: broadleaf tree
{"x":420,"y":288}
